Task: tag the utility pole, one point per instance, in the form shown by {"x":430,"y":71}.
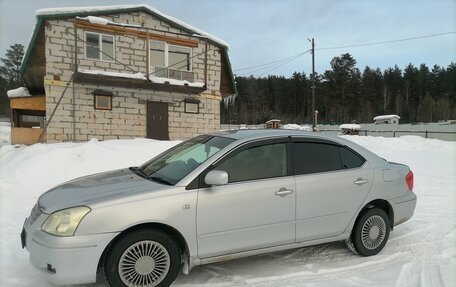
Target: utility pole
{"x":313,"y":87}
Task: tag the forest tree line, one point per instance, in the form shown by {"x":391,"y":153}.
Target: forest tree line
{"x":344,"y":94}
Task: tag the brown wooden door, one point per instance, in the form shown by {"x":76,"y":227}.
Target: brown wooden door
{"x":157,"y":120}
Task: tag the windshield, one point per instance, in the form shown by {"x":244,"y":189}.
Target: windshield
{"x":173,"y":165}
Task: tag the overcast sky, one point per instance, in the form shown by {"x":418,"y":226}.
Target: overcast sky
{"x":263,"y":31}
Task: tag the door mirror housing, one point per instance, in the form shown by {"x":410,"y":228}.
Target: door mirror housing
{"x":216,"y":177}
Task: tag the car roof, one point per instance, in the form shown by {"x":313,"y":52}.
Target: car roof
{"x":251,"y":134}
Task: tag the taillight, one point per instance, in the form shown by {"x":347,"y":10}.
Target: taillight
{"x":409,"y":180}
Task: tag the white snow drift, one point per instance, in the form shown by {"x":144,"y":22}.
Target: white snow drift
{"x":421,"y":252}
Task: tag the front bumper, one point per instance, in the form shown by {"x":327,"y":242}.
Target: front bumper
{"x":65,"y":260}
{"x":404,"y":207}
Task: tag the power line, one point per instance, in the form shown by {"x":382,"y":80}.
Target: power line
{"x":271,"y":63}
{"x":283,"y":64}
{"x":275,"y":65}
{"x":386,"y":42}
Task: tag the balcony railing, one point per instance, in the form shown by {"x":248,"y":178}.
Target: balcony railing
{"x":172,"y":74}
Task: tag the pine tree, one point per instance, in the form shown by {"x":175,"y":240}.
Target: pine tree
{"x":10,"y":77}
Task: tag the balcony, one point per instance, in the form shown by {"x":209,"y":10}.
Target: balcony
{"x":172,"y":74}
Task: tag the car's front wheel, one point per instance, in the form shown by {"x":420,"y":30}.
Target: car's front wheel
{"x":143,"y":258}
{"x":371,"y":232}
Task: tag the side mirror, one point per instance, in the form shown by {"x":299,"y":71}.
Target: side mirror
{"x":216,"y":177}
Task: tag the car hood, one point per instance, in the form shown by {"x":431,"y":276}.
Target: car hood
{"x":96,"y":188}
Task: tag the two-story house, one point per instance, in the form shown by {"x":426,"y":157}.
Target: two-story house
{"x":119,"y":72}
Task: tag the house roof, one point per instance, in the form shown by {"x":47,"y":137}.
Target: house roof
{"x":50,"y":13}
{"x":97,"y":10}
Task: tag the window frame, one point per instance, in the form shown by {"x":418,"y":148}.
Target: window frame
{"x":100,"y":44}
{"x":326,"y":142}
{"x":166,"y":51}
{"x":243,"y":147}
{"x":96,"y":107}
{"x":356,"y":154}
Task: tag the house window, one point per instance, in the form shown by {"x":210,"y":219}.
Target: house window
{"x":179,"y":58}
{"x":102,"y":102}
{"x":28,"y":118}
{"x":99,"y":46}
{"x":170,"y":61}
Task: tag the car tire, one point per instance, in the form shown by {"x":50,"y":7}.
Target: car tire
{"x":143,"y":258}
{"x":371,"y":232}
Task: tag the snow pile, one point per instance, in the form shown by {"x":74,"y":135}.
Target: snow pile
{"x":138,"y":75}
{"x":297,"y":127}
{"x":350,"y":127}
{"x":160,"y":80}
{"x":5,"y":133}
{"x":421,"y":252}
{"x":18,"y":93}
{"x":94,"y":9}
{"x":104,"y":21}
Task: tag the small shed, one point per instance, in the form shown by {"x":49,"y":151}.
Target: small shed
{"x":27,"y":116}
{"x":273,"y":124}
{"x":387,"y":119}
{"x":350,"y":129}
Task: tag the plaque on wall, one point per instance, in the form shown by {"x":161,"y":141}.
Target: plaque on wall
{"x":192,"y":107}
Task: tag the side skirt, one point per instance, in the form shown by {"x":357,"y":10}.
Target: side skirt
{"x":215,"y":259}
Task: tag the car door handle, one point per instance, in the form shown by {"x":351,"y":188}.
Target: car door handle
{"x":360,"y":181}
{"x":283,"y":192}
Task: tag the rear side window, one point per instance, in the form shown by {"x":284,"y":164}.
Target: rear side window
{"x":350,"y":159}
{"x":310,"y":157}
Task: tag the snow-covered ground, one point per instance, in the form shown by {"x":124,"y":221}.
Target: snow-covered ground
{"x":5,"y":133}
{"x":421,"y":252}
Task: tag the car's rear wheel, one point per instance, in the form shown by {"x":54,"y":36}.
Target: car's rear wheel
{"x":371,"y":232}
{"x":143,"y":258}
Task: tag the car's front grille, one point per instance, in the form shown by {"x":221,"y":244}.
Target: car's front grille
{"x":36,"y":211}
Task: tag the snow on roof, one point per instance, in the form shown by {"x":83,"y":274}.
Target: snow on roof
{"x":104,"y":21}
{"x":138,"y":75}
{"x":297,"y":127}
{"x":386,"y":117}
{"x":85,"y":10}
{"x":350,"y":127}
{"x":272,"y":121}
{"x":160,"y":80}
{"x":18,"y":93}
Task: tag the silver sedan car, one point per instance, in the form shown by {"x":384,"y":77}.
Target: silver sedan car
{"x":214,"y":198}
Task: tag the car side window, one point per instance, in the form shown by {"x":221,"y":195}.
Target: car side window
{"x":259,"y":162}
{"x":350,"y":159}
{"x":313,"y":157}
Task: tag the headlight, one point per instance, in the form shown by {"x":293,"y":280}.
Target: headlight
{"x":65,"y":222}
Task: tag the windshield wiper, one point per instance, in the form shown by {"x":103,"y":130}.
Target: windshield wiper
{"x":160,"y":179}
{"x":139,"y":172}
